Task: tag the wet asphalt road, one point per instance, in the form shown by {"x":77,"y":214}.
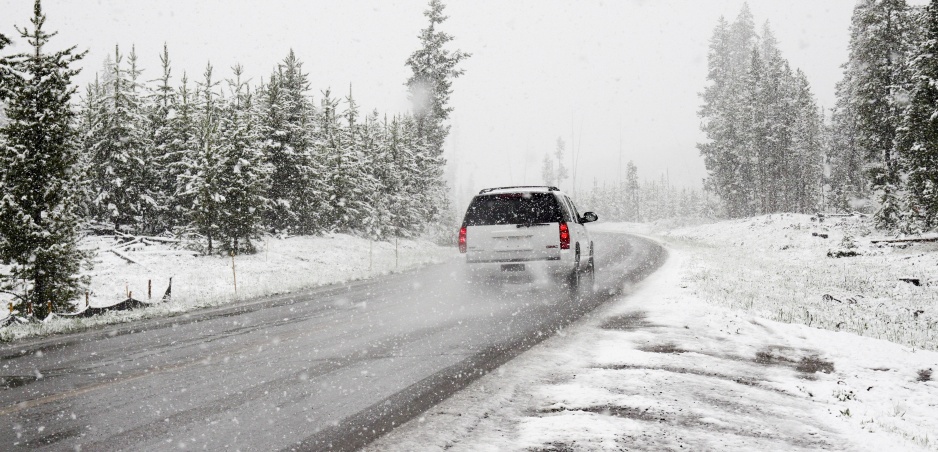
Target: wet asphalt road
{"x":326,"y":369}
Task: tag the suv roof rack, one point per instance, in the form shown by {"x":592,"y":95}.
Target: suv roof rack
{"x":548,"y":187}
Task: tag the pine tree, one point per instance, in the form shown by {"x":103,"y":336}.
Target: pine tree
{"x":760,"y":122}
{"x":340,"y":145}
{"x":423,"y":185}
{"x":379,"y":165}
{"x":120,"y":161}
{"x":870,"y":98}
{"x":144,"y":171}
{"x":846,"y":159}
{"x":553,"y":171}
{"x":181,"y":152}
{"x":88,"y":127}
{"x":724,"y":121}
{"x":634,"y":210}
{"x":753,"y":155}
{"x":6,"y":74}
{"x":204,"y":166}
{"x":287,"y":131}
{"x":806,"y":173}
{"x":430,"y":85}
{"x":39,"y":225}
{"x":548,"y":173}
{"x":243,"y":175}
{"x":407,"y":209}
{"x":166,"y":153}
{"x":918,"y":136}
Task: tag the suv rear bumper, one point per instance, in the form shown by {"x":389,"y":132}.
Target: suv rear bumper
{"x":470,"y":260}
{"x":550,"y":267}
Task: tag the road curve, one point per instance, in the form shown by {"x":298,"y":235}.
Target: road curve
{"x":329,"y":368}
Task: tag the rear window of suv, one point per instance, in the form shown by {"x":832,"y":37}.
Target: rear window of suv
{"x":513,"y":208}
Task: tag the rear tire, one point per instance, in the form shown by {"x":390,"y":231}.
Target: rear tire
{"x":573,"y":279}
{"x":591,"y":272}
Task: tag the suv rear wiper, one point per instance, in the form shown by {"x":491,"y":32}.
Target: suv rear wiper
{"x":528,"y":225}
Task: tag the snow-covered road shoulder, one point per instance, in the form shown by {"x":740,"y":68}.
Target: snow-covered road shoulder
{"x":142,"y":270}
{"x":660,"y":369}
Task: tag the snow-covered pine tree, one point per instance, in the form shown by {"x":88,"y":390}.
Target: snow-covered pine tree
{"x":559,"y":149}
{"x":404,"y":192}
{"x":119,"y":156}
{"x":88,"y":128}
{"x":427,"y":186}
{"x":184,"y":147}
{"x":805,"y":171}
{"x":871,"y":93}
{"x":548,"y":173}
{"x":359,"y":183}
{"x":777,"y":160}
{"x":39,"y":224}
{"x":553,"y":171}
{"x":144,"y":171}
{"x":433,"y":70}
{"x":434,"y":67}
{"x":340,"y":145}
{"x":287,"y":127}
{"x":204,"y":166}
{"x":918,"y":136}
{"x":327,"y":150}
{"x":6,"y":75}
{"x":844,"y":156}
{"x":751,"y":117}
{"x":753,"y":157}
{"x":633,"y":211}
{"x":376,"y":165}
{"x":721,"y":115}
{"x":165,"y":152}
{"x":243,"y":177}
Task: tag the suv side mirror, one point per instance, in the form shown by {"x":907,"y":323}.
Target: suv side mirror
{"x":588,"y":217}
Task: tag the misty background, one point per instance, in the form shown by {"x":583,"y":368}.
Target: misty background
{"x":618,"y":81}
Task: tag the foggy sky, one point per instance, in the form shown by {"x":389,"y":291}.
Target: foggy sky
{"x":594,"y":73}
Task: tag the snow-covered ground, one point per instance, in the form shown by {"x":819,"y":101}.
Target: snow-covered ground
{"x":713,"y":352}
{"x":143,"y":270}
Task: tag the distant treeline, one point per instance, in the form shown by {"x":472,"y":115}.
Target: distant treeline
{"x":646,"y":201}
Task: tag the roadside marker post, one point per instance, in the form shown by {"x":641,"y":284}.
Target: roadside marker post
{"x":234,"y":273}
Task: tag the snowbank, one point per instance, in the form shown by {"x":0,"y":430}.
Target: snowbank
{"x":281,"y":265}
{"x":780,"y":267}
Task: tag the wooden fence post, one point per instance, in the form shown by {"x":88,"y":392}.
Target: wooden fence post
{"x":234,"y":273}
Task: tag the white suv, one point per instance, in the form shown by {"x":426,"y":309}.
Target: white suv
{"x":528,"y":229}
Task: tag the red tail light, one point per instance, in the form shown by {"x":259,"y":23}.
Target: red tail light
{"x":462,"y":240}
{"x":564,"y":237}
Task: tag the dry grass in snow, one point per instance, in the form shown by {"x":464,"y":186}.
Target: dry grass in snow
{"x":777,"y":267}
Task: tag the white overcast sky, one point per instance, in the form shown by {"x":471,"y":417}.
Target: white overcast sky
{"x":604,"y":70}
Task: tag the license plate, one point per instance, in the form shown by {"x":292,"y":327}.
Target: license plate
{"x":513,"y":267}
